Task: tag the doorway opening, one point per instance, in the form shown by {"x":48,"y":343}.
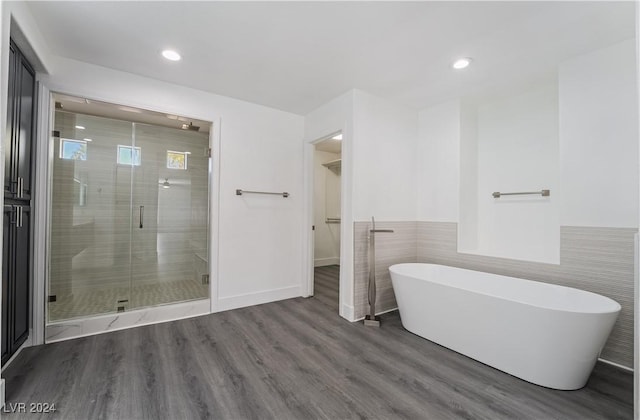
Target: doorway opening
{"x":327,"y":217}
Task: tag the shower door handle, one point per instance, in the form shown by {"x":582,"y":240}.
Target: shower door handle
{"x":141,"y":217}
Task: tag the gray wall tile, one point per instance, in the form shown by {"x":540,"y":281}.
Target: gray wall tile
{"x":391,"y":248}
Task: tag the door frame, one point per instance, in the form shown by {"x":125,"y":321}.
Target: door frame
{"x":346,"y":290}
{"x":42,"y":170}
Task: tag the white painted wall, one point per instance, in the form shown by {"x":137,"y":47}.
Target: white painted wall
{"x":596,"y":163}
{"x":326,"y":204}
{"x":384,"y":162}
{"x":599,"y":138}
{"x":258,"y":253}
{"x":518,"y":151}
{"x":468,"y":206}
{"x":333,"y":117}
{"x":438,"y":163}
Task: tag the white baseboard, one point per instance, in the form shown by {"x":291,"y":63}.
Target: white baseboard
{"x":2,"y":393}
{"x":322,"y":262}
{"x":619,"y":366}
{"x":250,"y":299}
{"x":348,"y":313}
{"x":74,"y":328}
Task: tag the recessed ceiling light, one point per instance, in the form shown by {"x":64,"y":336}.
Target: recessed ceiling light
{"x":337,"y":137}
{"x":79,"y":127}
{"x":462,"y":63}
{"x":171,"y":55}
{"x":88,"y":139}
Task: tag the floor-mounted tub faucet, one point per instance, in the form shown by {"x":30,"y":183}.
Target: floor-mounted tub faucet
{"x":372,"y":320}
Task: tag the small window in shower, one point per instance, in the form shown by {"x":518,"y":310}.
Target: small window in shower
{"x":73,"y":149}
{"x":176,"y":160}
{"x":128,"y":155}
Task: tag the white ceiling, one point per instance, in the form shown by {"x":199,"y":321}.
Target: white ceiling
{"x":295,"y":56}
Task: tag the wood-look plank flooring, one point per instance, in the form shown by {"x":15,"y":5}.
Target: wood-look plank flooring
{"x":326,"y":286}
{"x":293,"y":359}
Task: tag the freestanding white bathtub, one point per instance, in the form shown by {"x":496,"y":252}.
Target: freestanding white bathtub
{"x":545,"y":334}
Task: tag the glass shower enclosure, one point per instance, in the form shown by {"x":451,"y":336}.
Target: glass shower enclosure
{"x":129,"y":210}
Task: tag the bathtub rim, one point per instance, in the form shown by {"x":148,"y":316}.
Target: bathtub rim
{"x":602,"y":312}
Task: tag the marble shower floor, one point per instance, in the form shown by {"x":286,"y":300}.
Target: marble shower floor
{"x":97,"y":302}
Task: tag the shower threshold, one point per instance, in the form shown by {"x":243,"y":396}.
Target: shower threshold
{"x":80,"y":327}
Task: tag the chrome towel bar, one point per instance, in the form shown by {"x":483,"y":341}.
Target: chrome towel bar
{"x":240,"y":192}
{"x":544,"y":193}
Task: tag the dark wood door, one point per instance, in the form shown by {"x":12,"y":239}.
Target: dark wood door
{"x":20,"y":257}
{"x":16,"y":293}
{"x":20,"y":130}
{"x":7,"y":244}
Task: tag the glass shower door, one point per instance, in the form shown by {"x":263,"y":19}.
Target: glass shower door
{"x":170,"y":208}
{"x":90,"y":226}
{"x":129,"y":213}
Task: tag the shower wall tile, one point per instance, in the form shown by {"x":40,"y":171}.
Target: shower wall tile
{"x":391,"y":248}
{"x":596,"y":259}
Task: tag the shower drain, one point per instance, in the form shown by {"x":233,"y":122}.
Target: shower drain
{"x":121,"y":305}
